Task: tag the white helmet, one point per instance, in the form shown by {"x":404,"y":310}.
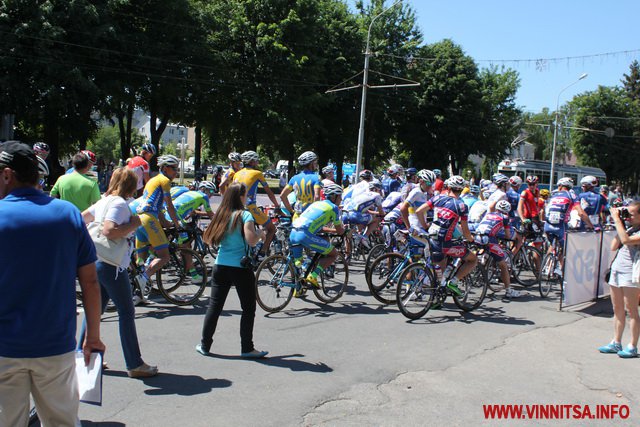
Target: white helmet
{"x":456,"y":182}
{"x":307,"y":158}
{"x":327,"y":169}
{"x":168,"y":160}
{"x":503,"y":206}
{"x":249,"y":156}
{"x":332,"y":190}
{"x":515,"y":181}
{"x":234,"y":157}
{"x":499,"y":178}
{"x":43,"y":169}
{"x":589,"y":180}
{"x":427,"y":176}
{"x":374,"y":184}
{"x":395,"y":169}
{"x":565,"y":182}
{"x":207,"y":186}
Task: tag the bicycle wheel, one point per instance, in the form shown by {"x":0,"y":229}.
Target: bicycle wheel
{"x":333,"y":281}
{"x":474,"y":288}
{"x":374,"y":253}
{"x":415,"y":291}
{"x":178,"y":284}
{"x":383,"y":276}
{"x":493,"y":275}
{"x":274,"y":283}
{"x":524,"y":266}
{"x":548,"y":276}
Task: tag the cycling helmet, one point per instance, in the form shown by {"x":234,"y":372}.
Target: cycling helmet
{"x":604,"y":189}
{"x":427,"y":176}
{"x":438,"y":173}
{"x":394,"y":169}
{"x":90,"y":155}
{"x":366,"y":174}
{"x":544,"y":192}
{"x":43,"y":169}
{"x":589,"y":181}
{"x":456,"y":182}
{"x":307,"y":158}
{"x":374,"y":184}
{"x":41,"y":148}
{"x":168,"y":160}
{"x":332,"y":190}
{"x":484,"y":183}
{"x":327,"y":169}
{"x":503,"y":206}
{"x":499,"y":178}
{"x":411,"y":171}
{"x":532,"y":179}
{"x":234,"y":157}
{"x":474,"y":189}
{"x":515,"y":181}
{"x":565,"y":182}
{"x":249,"y":156}
{"x":149,"y":148}
{"x":207,"y":186}
{"x":617,"y":203}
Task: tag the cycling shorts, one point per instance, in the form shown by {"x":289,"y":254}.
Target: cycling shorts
{"x":156,"y":237}
{"x":258,"y":214}
{"x":440,"y":249}
{"x":309,"y":240}
{"x":555,"y":232}
{"x":356,"y":218}
{"x":495,"y":250}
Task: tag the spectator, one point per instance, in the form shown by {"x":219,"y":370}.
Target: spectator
{"x":625,"y":289}
{"x":233,"y":230}
{"x":38,"y":307}
{"x":78,"y":187}
{"x":114,"y":282}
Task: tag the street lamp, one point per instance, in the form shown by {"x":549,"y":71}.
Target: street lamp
{"x":365,"y":82}
{"x":555,"y":130}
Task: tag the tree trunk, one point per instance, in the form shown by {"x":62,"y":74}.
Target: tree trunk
{"x":198,"y":147}
{"x":123,"y":136}
{"x":51,"y":137}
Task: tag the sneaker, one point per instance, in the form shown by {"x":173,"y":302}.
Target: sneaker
{"x":512,"y":293}
{"x":629,"y":352}
{"x":138,"y":300}
{"x":612,"y":347}
{"x":557,"y":271}
{"x":142,"y":280}
{"x":453,"y":287}
{"x":299,"y":292}
{"x":312,"y":279}
{"x":254,"y":354}
{"x":200,"y":349}
{"x":143,"y":371}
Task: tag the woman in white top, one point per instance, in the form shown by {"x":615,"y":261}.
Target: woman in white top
{"x":119,"y":223}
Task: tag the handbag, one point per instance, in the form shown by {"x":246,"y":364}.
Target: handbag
{"x":111,"y":251}
{"x":247,"y":260}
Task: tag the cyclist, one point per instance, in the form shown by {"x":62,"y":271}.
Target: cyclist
{"x":592,"y":202}
{"x":328,"y":175}
{"x":365,"y":177}
{"x":513,"y":197}
{"x":392,"y":182}
{"x":528,"y":205}
{"x":235,"y":164}
{"x":251,"y":177}
{"x":312,"y":221}
{"x":417,"y":198}
{"x":140,"y":165}
{"x":411,"y":175}
{"x":156,"y":193}
{"x":365,"y":209}
{"x":190,"y":202}
{"x":43,"y":171}
{"x":178,"y":190}
{"x":438,"y":184}
{"x":306,"y":185}
{"x":495,"y":225}
{"x":558,"y":211}
{"x":448,"y":211}
{"x":500,"y":193}
{"x":42,"y":150}
{"x":471,"y":197}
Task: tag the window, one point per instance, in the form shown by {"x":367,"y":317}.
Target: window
{"x":171,"y":131}
{"x":573,"y":176}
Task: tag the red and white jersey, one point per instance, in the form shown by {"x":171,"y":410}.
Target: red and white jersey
{"x":140,"y":167}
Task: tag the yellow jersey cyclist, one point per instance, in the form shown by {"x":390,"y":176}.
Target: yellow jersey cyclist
{"x":306,"y":185}
{"x":156,"y":194}
{"x":251,"y":176}
{"x":309,"y":223}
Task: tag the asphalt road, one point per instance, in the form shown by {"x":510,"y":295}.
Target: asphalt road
{"x":357,"y":362}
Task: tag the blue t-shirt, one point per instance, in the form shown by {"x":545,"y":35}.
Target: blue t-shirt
{"x":38,"y":305}
{"x":232,"y":247}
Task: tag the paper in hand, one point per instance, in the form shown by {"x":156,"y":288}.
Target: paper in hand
{"x":89,"y":378}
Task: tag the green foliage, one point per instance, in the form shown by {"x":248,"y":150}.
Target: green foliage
{"x":539,"y":129}
{"x":631,"y":81}
{"x":106,"y":143}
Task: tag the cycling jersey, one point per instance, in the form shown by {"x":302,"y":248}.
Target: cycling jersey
{"x":477,"y":211}
{"x":155,"y":191}
{"x":530,"y":203}
{"x":497,"y":196}
{"x":559,"y":207}
{"x":390,"y":185}
{"x":311,"y":222}
{"x":189,"y":202}
{"x":364,"y":201}
{"x":593,"y":205}
{"x":438,"y":185}
{"x":304,"y":185}
{"x":140,"y":166}
{"x":251,"y":178}
{"x":391,"y":201}
{"x":178,"y":190}
{"x":406,"y":189}
{"x":469,"y":200}
{"x":354,"y":190}
{"x":447,"y":212}
{"x":415,"y":199}
{"x":493,"y":225}
{"x":324,"y":182}
{"x":513,"y":198}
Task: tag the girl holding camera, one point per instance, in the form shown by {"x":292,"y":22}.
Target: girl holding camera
{"x":625,"y":287}
{"x":232,"y":228}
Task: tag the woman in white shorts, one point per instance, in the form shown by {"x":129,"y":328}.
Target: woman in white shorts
{"x":625,"y":288}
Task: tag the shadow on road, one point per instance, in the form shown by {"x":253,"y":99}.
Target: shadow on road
{"x":86,"y":423}
{"x":181,"y":385}
{"x":328,"y":310}
{"x":450,"y":313}
{"x":288,"y":361}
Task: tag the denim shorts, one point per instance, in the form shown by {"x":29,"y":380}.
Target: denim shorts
{"x":622,"y":280}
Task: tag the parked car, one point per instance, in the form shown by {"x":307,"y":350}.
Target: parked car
{"x":271,"y":173}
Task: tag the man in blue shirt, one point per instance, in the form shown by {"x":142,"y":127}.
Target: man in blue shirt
{"x":593,"y":203}
{"x":38,"y":307}
{"x":306,"y":185}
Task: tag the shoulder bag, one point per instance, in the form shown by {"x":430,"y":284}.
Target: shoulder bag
{"x":111,"y":251}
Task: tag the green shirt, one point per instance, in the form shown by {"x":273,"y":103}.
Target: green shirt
{"x":81,"y":190}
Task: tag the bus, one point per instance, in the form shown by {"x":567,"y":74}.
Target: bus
{"x":542,"y":170}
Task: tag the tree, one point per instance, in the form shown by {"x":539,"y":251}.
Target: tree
{"x":631,"y":81}
{"x":539,"y":130}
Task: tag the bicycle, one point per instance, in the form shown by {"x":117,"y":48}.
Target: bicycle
{"x":526,"y":261}
{"x":390,"y":244}
{"x":550,"y":274}
{"x":277,"y":278}
{"x":418,"y":289}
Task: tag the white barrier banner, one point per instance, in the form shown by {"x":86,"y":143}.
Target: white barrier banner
{"x":581,"y":268}
{"x":606,"y":258}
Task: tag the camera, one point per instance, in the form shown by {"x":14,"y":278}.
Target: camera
{"x":624,"y":213}
{"x":246,"y":262}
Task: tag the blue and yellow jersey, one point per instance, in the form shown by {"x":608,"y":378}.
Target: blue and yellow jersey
{"x":228,"y":175}
{"x":189,"y":202}
{"x":155,"y":191}
{"x":178,"y":190}
{"x":134,"y":204}
{"x":304,"y":185}
{"x":251,"y":178}
{"x":317,"y":216}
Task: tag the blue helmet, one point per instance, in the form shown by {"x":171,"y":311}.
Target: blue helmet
{"x":438,"y":172}
{"x":411,"y":171}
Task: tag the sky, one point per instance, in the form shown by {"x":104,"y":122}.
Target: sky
{"x":543,"y":29}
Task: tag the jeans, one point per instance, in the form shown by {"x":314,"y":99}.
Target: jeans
{"x":119,"y":291}
{"x":223,"y":278}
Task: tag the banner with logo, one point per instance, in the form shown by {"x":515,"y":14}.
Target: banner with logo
{"x":582,"y":259}
{"x":606,"y":258}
